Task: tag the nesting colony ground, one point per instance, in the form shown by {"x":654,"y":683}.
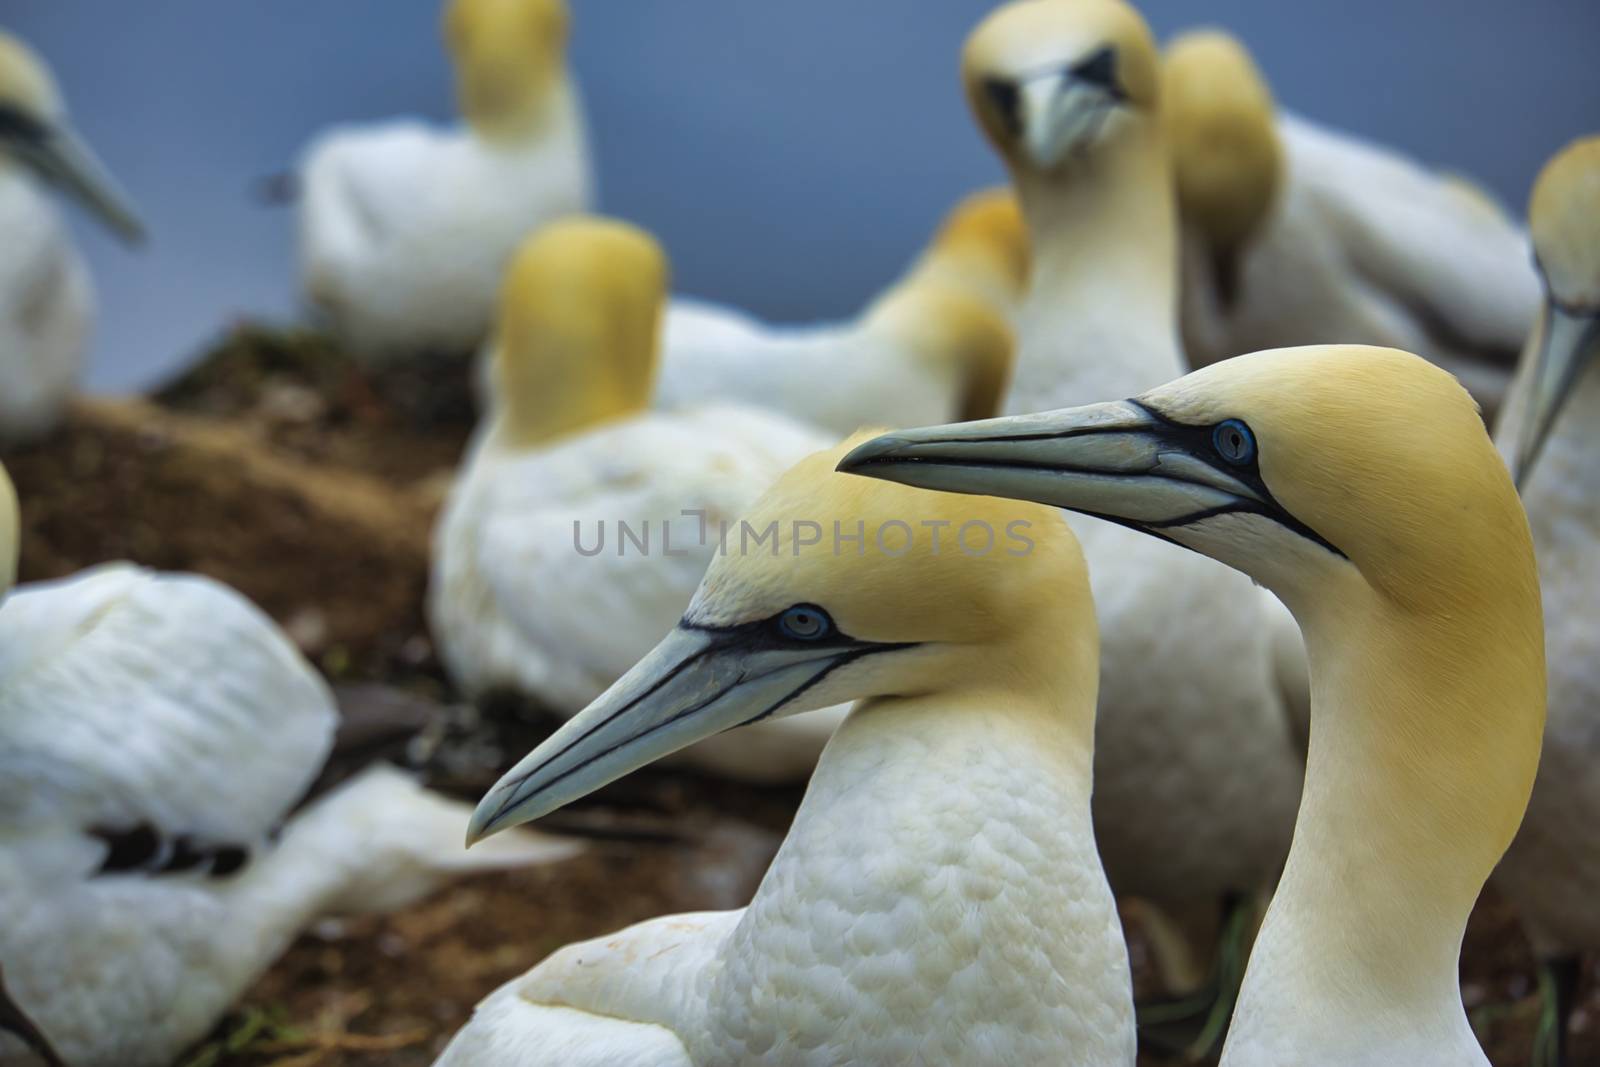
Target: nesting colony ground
{"x":278,"y":466}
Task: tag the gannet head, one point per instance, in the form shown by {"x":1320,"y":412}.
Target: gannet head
{"x":35,"y":130}
{"x":10,"y":532}
{"x":1564,"y":221}
{"x":578,"y":329}
{"x":509,"y":58}
{"x":1301,"y":467}
{"x":1047,"y":79}
{"x":806,"y":620}
{"x":1223,"y":135}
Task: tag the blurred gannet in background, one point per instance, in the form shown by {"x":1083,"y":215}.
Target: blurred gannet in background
{"x":1298,"y":234}
{"x":1338,"y":478}
{"x":1196,"y":776}
{"x":1550,"y":433}
{"x":405,"y":228}
{"x":46,"y":297}
{"x":535,"y":587}
{"x":938,"y":898}
{"x":935,"y":346}
{"x":156,"y":731}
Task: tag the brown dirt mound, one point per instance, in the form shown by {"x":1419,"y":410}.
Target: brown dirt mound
{"x":297,"y":391}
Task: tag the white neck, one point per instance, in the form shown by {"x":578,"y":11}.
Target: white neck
{"x":1100,"y":320}
{"x":939,"y":899}
{"x":1422,"y":751}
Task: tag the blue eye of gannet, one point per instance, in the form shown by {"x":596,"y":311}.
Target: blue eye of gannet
{"x":805,"y":622}
{"x":1234,"y":442}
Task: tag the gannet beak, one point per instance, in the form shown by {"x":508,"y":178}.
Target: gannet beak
{"x":697,"y":682}
{"x":1569,"y":343}
{"x":1119,"y":461}
{"x":1058,"y":113}
{"x":62,"y":158}
{"x":1052,"y":111}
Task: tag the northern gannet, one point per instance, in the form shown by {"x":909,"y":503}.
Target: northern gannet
{"x":46,"y":297}
{"x":536,"y":588}
{"x":1360,"y":486}
{"x":405,"y":229}
{"x":1298,"y":234}
{"x":157,"y":732}
{"x":938,"y":898}
{"x":1550,"y":433}
{"x":1197,"y":776}
{"x":939,"y":340}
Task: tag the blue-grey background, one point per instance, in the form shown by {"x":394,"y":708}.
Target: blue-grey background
{"x":791,"y":155}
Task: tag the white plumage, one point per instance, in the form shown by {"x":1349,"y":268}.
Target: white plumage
{"x":937,"y":900}
{"x":405,"y":228}
{"x":155,"y":732}
{"x":46,"y":299}
{"x":1365,"y":246}
{"x":933,"y":347}
{"x":839,"y":377}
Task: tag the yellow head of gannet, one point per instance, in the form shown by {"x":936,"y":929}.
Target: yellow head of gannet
{"x":509,"y":58}
{"x":1564,"y":221}
{"x":579,"y":328}
{"x":1223,"y":134}
{"x":10,"y":532}
{"x":835,"y":589}
{"x":35,"y":130}
{"x":1046,"y":78}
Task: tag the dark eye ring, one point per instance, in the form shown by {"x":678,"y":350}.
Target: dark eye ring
{"x":1234,"y":442}
{"x":1004,"y":96}
{"x":805,"y":622}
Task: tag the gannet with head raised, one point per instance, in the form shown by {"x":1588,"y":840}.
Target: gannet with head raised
{"x":1550,"y":433}
{"x":1196,"y":777}
{"x":46,"y":298}
{"x":938,"y":898}
{"x":1359,"y":485}
{"x":405,"y":229}
{"x":1298,"y":234}
{"x":156,"y":733}
{"x":938,"y":340}
{"x":536,"y":588}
